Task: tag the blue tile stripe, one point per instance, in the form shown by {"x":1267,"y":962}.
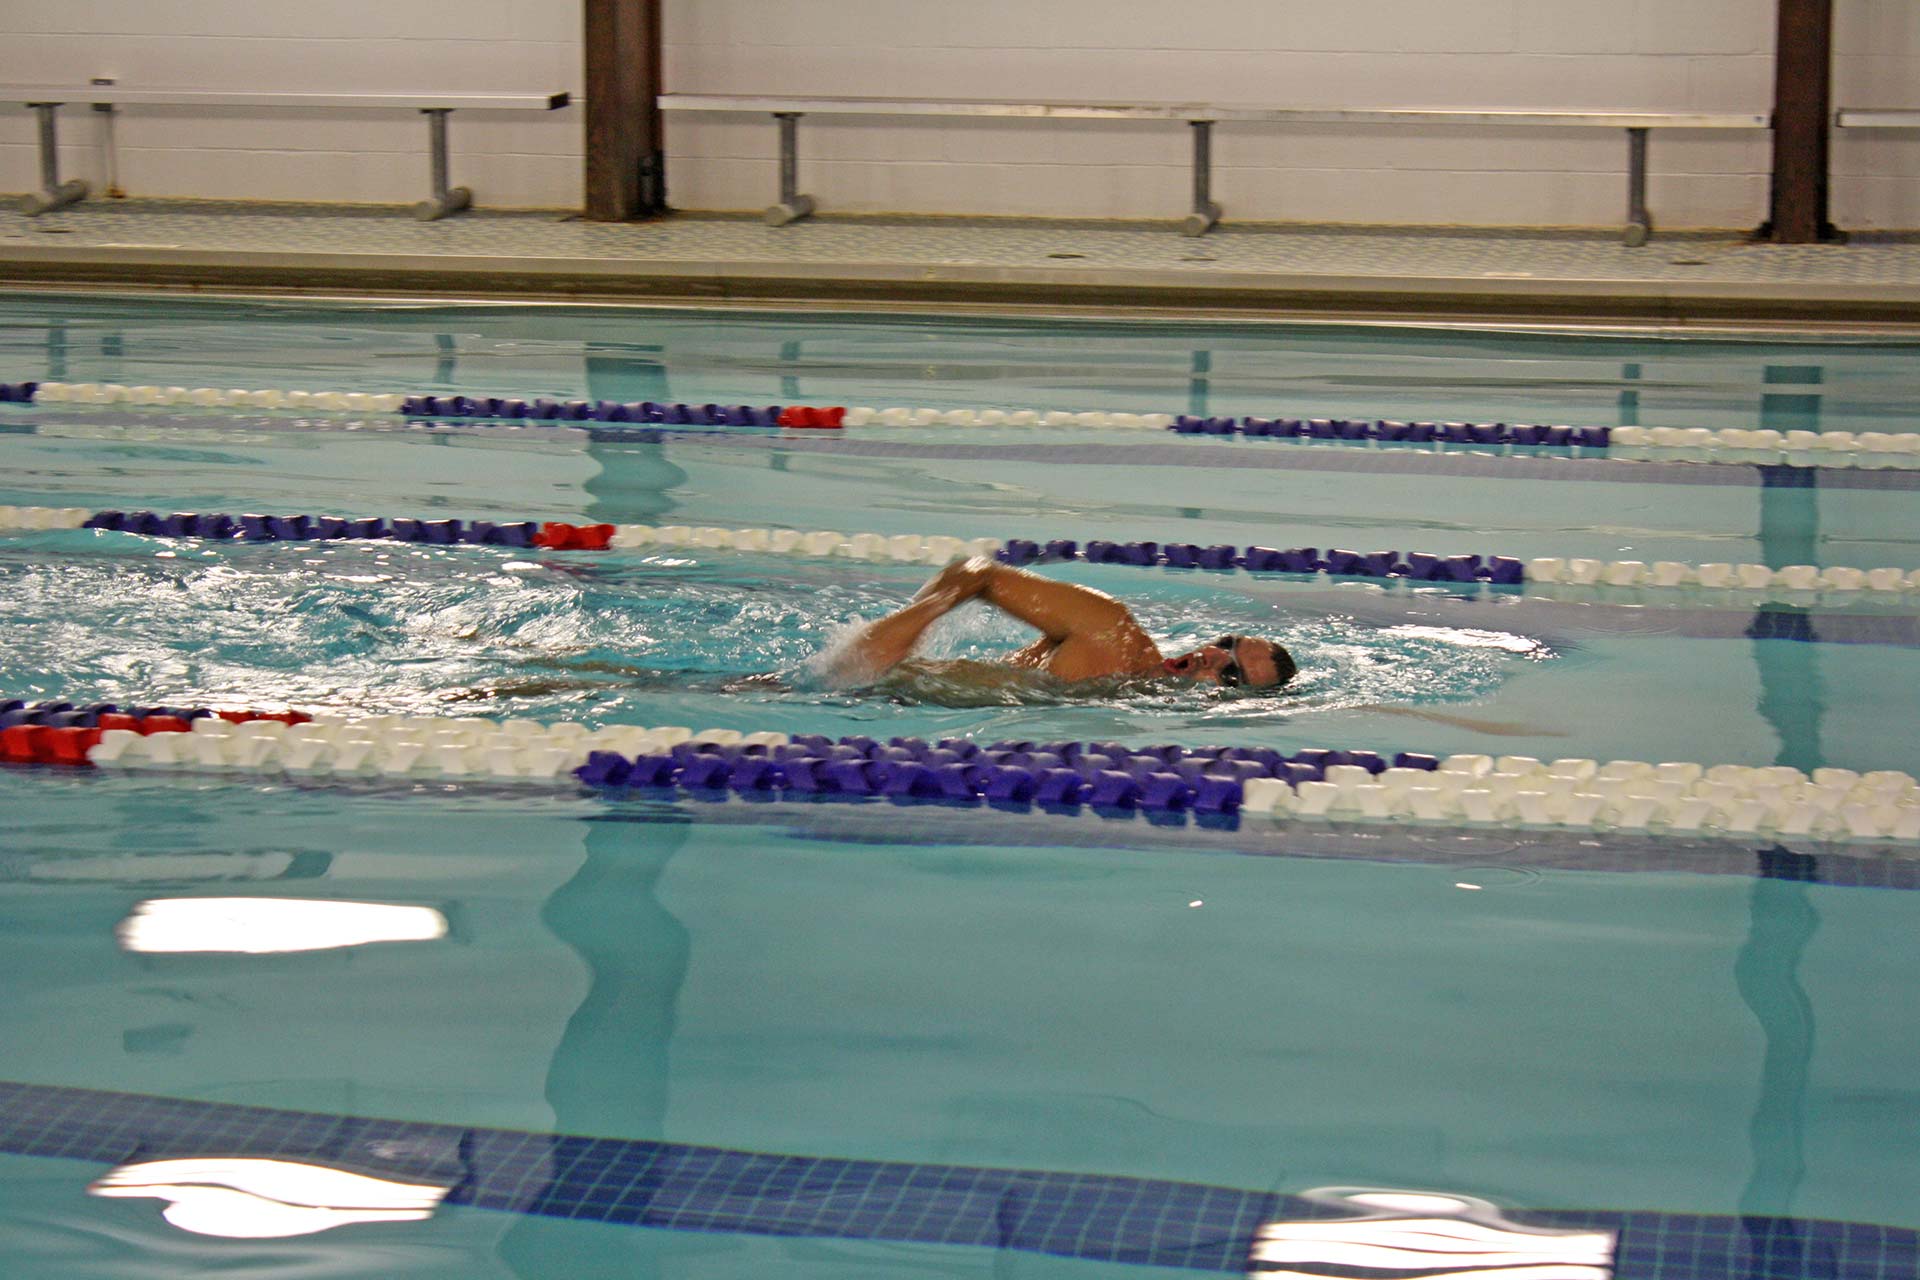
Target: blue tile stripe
{"x":681,"y":1187}
{"x":1673,"y":1246}
{"x":672,"y":1186}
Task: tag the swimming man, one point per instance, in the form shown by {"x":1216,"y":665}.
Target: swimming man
{"x":1084,"y":634}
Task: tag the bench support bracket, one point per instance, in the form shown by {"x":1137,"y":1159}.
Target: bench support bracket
{"x":1206,"y":214}
{"x":53,"y":193}
{"x":792,"y":206}
{"x":445,"y":199}
{"x":1639,"y":221}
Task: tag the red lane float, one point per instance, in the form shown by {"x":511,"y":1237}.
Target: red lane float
{"x":69,"y":744}
{"x":557,"y":535}
{"x":46,"y":744}
{"x":800,"y":415}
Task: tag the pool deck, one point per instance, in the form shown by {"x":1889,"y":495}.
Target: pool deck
{"x":1246,"y":271}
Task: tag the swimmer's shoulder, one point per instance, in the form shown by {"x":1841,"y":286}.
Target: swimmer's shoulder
{"x":1128,"y":653}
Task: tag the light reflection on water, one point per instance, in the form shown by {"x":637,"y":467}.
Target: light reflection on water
{"x":261,"y":926}
{"x":1425,"y":1236}
{"x":255,"y":1199}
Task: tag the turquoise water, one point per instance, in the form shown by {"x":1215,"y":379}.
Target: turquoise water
{"x":1553,"y":1039}
{"x":1042,"y":992}
{"x":715,"y":639}
{"x":965,"y":362}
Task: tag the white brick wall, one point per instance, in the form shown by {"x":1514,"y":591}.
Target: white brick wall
{"x":1651,"y":55}
{"x":1654,"y":55}
{"x":1876,"y":174}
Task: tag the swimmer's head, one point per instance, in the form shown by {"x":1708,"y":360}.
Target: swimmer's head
{"x":1246,"y":661}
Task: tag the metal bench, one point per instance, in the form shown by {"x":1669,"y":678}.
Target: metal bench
{"x":45,"y":101}
{"x":793,"y":206}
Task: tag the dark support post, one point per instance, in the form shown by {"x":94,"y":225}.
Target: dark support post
{"x":1802,"y":116}
{"x":791,"y":206}
{"x":1205,"y":212}
{"x":626,"y":152}
{"x":53,"y":193}
{"x":1639,"y":221}
{"x":445,"y":199}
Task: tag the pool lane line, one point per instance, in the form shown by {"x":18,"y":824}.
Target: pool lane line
{"x":1835,"y":449}
{"x":1791,"y":584}
{"x":552,"y":535}
{"x":1342,"y":838}
{"x":1113,"y":1218}
{"x":56,"y":392}
{"x":1310,"y":785}
{"x":1468,"y":462}
{"x":1489,"y":462}
{"x":57,"y":732}
{"x":1550,"y":611}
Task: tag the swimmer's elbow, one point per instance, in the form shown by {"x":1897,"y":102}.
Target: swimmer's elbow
{"x":1117,"y":620}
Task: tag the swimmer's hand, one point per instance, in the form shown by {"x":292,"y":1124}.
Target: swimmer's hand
{"x":960,"y":581}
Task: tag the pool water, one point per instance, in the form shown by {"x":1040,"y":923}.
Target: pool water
{"x":721,"y":639}
{"x":1543,"y":1022}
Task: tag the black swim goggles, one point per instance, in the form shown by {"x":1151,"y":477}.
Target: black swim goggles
{"x":1231,"y":675}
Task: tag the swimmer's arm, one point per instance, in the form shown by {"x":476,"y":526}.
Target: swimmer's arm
{"x":1074,"y":620}
{"x":1097,"y":631}
{"x":891,"y":640}
{"x":1058,"y":610}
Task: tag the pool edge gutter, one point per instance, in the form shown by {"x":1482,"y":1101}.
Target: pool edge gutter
{"x":1103,"y":292}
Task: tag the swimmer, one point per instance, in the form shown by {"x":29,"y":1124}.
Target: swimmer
{"x":1090,"y":644}
{"x":1084,"y":634}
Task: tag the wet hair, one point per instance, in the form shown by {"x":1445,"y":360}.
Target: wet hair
{"x":1283,"y":664}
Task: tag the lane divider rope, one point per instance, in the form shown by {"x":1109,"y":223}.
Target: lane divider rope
{"x":198,"y":397}
{"x":55,"y":732}
{"x":1694,"y":444}
{"x":1314,"y":784}
{"x":1790,"y":581}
